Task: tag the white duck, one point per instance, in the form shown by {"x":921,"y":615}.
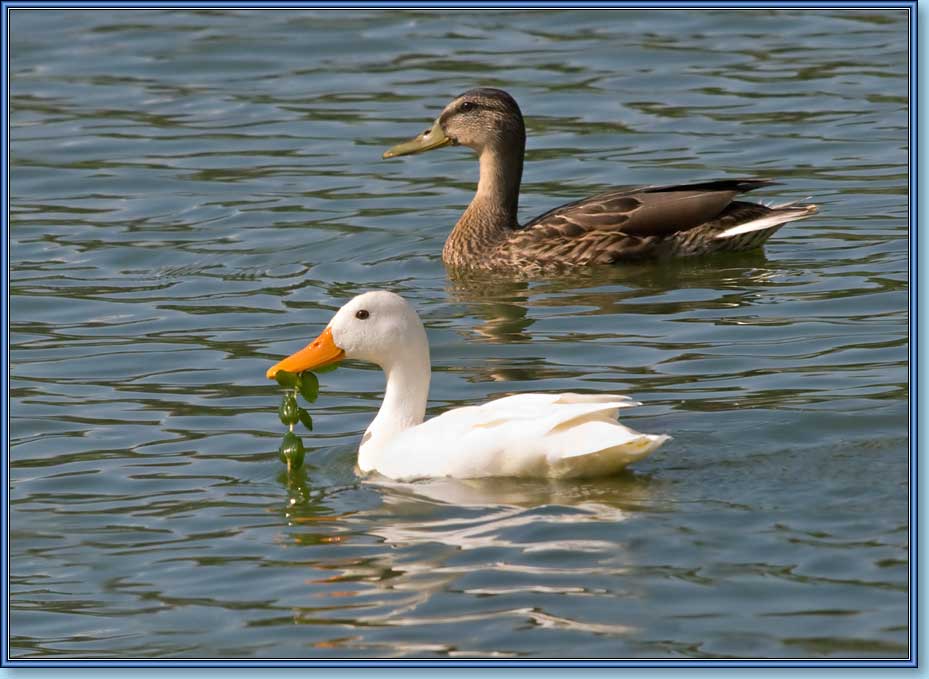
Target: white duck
{"x":527,"y":435}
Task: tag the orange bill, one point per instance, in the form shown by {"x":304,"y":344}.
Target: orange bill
{"x":318,"y":353}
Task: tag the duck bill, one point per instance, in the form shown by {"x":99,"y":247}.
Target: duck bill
{"x":320,"y":352}
{"x":432,"y":138}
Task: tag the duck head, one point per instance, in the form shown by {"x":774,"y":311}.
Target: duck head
{"x":379,"y":327}
{"x":480,"y":118}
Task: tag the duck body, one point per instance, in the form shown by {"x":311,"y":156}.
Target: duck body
{"x":526,"y":435}
{"x":620,"y":225}
{"x":630,"y":224}
{"x":563,"y":435}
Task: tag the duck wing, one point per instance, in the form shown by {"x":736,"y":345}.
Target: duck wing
{"x":643,"y":211}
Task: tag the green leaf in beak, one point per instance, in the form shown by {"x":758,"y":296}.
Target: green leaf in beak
{"x":309,"y":386}
{"x":286,"y":379}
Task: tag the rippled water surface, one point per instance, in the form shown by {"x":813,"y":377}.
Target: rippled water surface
{"x":194,"y":193}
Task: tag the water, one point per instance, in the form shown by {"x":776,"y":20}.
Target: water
{"x":194,"y":193}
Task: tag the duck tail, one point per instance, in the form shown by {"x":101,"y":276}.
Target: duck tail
{"x":776,"y":216}
{"x":627,"y":446}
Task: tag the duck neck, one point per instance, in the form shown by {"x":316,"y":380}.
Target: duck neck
{"x":493,"y":210}
{"x":404,"y":404}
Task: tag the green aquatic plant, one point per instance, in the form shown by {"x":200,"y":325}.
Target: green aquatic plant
{"x":306,"y":384}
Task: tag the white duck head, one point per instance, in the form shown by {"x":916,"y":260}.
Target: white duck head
{"x":382,"y":328}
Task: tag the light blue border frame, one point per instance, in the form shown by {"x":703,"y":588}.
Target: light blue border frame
{"x":4,"y":312}
{"x":910,"y":5}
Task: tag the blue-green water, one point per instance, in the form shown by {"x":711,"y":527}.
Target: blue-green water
{"x":193,"y":193}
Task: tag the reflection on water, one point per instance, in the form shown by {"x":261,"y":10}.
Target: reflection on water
{"x":194,"y":193}
{"x":492,"y":533}
{"x":625,"y":490}
{"x":503,"y":301}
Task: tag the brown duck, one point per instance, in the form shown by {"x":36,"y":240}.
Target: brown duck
{"x":619,"y":225}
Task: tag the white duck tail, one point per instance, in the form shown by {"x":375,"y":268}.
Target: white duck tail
{"x":596,"y":444}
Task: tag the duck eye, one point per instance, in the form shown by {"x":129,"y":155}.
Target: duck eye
{"x":467,"y":106}
{"x":362,"y":314}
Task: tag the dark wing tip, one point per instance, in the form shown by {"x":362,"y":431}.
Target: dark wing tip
{"x":750,"y":184}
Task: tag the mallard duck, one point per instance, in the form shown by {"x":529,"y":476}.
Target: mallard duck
{"x":527,"y":435}
{"x":622,"y":224}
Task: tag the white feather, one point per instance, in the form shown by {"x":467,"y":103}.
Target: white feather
{"x":782,"y":215}
{"x":526,"y":435}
